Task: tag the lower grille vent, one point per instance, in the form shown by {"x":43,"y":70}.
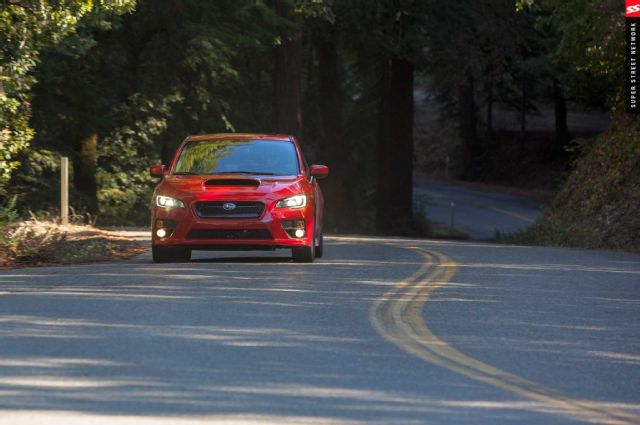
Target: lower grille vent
{"x":230,"y":234}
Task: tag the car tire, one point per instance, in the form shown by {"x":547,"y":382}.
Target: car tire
{"x":183,"y":255}
{"x":304,"y":254}
{"x":163,"y":254}
{"x":320,"y":246}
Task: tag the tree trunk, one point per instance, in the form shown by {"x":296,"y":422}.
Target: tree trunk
{"x":84,"y":171}
{"x":394,"y":199}
{"x":287,"y":111}
{"x":339,"y":206}
{"x":468,"y":125}
{"x":489,"y":89}
{"x":560,"y":109}
{"x":523,"y":111}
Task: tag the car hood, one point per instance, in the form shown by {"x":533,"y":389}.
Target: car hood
{"x":205,"y":186}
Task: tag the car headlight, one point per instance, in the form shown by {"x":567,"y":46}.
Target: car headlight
{"x":297,"y":201}
{"x":168,"y":202}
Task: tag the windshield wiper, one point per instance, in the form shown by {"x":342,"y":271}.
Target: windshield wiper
{"x":245,"y":172}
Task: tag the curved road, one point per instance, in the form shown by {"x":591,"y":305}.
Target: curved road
{"x":478,"y":212}
{"x":381,"y":331}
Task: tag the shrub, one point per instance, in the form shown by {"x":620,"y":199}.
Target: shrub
{"x":8,"y":215}
{"x":37,"y":241}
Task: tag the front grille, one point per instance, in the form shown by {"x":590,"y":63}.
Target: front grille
{"x":243,"y":209}
{"x":229,"y":234}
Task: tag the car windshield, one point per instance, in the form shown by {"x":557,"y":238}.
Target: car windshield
{"x":268,"y":157}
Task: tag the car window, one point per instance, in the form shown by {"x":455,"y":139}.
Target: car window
{"x":268,"y":157}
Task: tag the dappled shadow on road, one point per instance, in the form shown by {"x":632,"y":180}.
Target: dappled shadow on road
{"x":567,"y":319}
{"x":225,"y":337}
{"x":247,"y":339}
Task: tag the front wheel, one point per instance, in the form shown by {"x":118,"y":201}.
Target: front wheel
{"x":304,"y":254}
{"x":320,"y":246}
{"x":163,"y":254}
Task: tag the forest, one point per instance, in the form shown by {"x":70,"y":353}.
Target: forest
{"x":116,"y":85}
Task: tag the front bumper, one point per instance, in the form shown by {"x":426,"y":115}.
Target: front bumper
{"x":264,"y":232}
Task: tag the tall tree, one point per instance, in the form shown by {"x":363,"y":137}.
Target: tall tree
{"x":173,"y":62}
{"x":394,"y":196}
{"x":401,"y":35}
{"x":334,"y":145}
{"x":474,"y":48}
{"x":26,"y":27}
{"x":381,"y":42}
{"x":287,"y":109}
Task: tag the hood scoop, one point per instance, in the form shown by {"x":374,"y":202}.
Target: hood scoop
{"x":232,"y":182}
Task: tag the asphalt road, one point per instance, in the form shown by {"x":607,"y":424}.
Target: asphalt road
{"x":381,"y":331}
{"x":476,"y":212}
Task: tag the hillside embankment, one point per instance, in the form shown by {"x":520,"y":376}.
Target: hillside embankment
{"x":599,"y":204}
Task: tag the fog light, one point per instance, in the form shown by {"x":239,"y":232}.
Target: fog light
{"x":161,"y":233}
{"x":294,"y":228}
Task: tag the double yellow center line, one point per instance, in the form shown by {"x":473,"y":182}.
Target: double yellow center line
{"x":398,"y":317}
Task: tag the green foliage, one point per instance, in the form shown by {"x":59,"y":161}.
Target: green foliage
{"x":484,"y":42}
{"x":36,"y":182}
{"x":8,"y":213}
{"x":124,"y":197}
{"x":141,"y":81}
{"x":26,"y":27}
{"x":319,"y":9}
{"x":167,"y":87}
{"x":124,"y":184}
{"x":589,"y":46}
{"x":15,"y":135}
{"x":389,"y":27}
{"x":144,"y":80}
{"x":8,"y":216}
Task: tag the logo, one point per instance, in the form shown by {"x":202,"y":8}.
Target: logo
{"x":228,"y":206}
{"x":633,"y":8}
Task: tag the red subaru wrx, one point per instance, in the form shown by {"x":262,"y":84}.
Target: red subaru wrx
{"x":237,"y":192}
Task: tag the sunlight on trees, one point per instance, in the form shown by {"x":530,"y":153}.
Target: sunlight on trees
{"x":116,"y":85}
{"x":26,"y":27}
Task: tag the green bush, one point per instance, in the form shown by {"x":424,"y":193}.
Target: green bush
{"x":124,"y":198}
{"x":8,"y":215}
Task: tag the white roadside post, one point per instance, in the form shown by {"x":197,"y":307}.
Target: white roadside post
{"x":64,"y":190}
{"x":453,"y":215}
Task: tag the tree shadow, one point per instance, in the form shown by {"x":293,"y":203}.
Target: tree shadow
{"x":255,"y":339}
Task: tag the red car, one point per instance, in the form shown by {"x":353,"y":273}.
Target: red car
{"x":237,"y":192}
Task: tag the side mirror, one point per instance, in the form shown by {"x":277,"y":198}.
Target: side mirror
{"x":319,"y":171}
{"x":157,"y":170}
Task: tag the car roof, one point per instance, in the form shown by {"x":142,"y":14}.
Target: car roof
{"x":238,"y":136}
